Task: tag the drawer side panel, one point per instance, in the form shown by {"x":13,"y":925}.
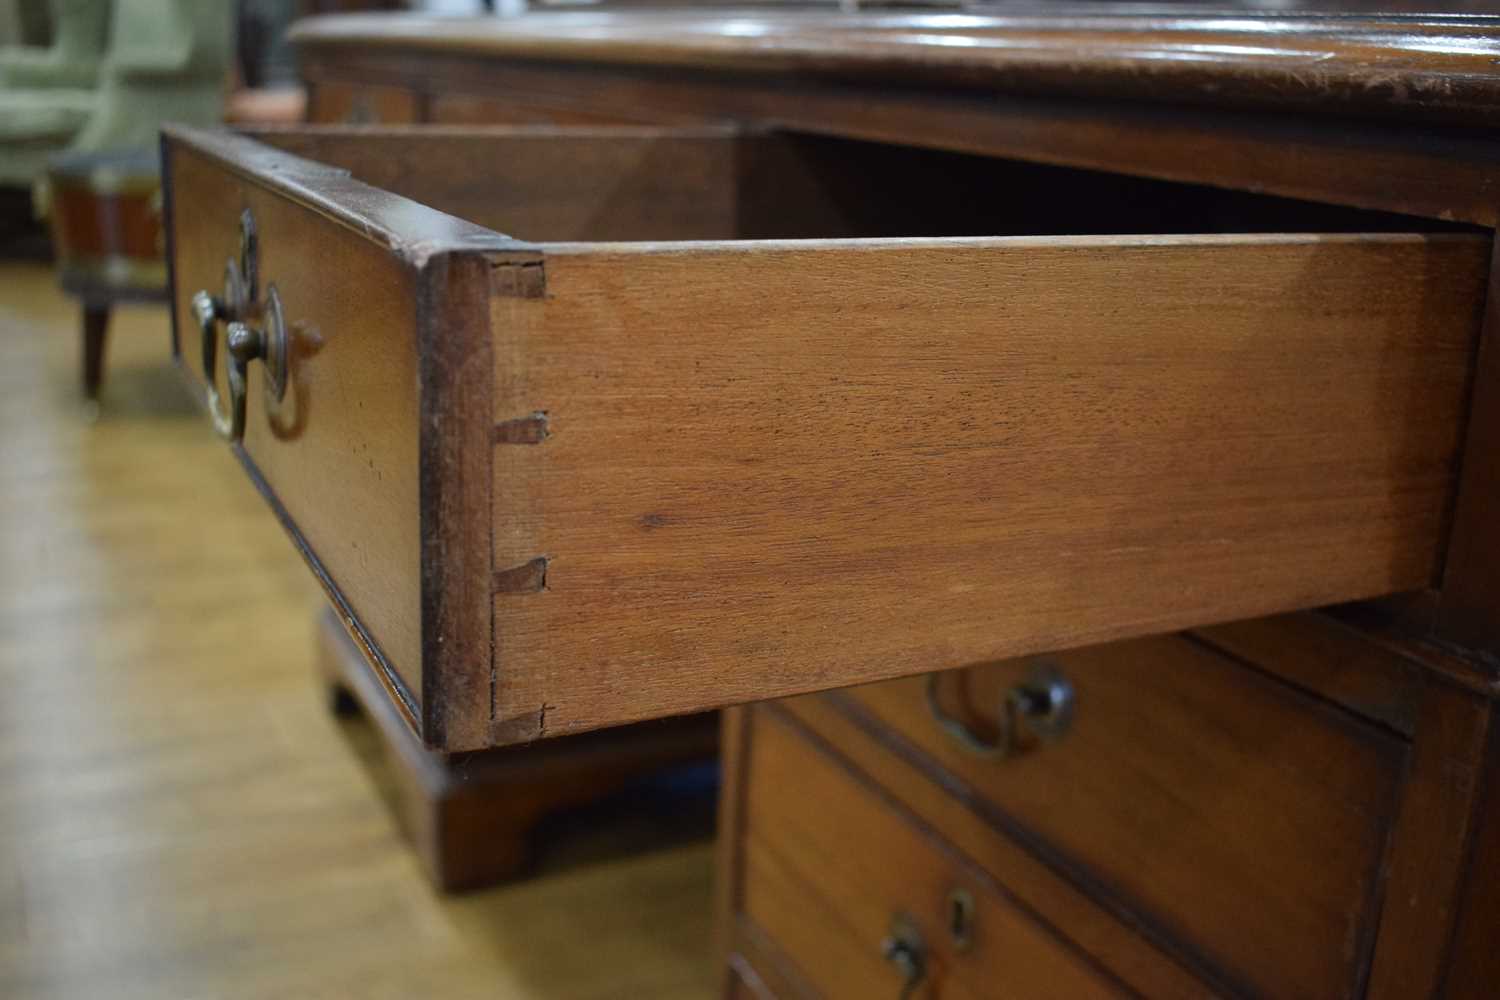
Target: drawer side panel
{"x":771,"y":468}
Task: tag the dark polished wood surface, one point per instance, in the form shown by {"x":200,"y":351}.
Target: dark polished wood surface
{"x":1321,"y":854}
{"x":1429,"y":67}
{"x":1393,"y":113}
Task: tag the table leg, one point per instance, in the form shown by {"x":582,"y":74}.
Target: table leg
{"x":95,"y":326}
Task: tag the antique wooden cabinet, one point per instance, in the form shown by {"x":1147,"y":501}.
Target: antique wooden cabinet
{"x":827,"y":350}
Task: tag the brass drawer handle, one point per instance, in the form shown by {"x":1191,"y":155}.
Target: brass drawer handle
{"x":903,"y":947}
{"x":244,"y":343}
{"x":1042,"y":704}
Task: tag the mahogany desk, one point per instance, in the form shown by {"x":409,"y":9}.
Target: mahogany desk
{"x":1081,"y":356}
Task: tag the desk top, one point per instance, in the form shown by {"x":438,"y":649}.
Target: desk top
{"x":1427,"y":68}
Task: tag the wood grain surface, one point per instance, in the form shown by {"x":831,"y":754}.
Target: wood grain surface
{"x":720,"y":472}
{"x":826,"y":882}
{"x":1347,"y":666}
{"x":779,"y":467}
{"x":1257,"y":819}
{"x":341,"y":456}
{"x":1469,"y":607}
{"x":1475,"y":968}
{"x":1137,"y":952}
{"x":1429,"y":846}
{"x":362,"y":104}
{"x":447,"y":108}
{"x":1160,"y":795}
{"x":351,"y":457}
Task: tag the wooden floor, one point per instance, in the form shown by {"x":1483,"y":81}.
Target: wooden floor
{"x":179,"y":815}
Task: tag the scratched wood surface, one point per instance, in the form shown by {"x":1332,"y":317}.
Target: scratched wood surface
{"x":764,"y":469}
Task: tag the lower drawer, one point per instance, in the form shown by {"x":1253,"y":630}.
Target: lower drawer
{"x":858,"y":896}
{"x":1236,"y":820}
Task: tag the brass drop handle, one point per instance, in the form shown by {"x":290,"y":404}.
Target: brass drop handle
{"x":208,"y":310}
{"x":243,"y":343}
{"x":904,"y":949}
{"x":1043,"y":704}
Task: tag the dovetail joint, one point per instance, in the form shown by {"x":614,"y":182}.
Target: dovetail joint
{"x":527,"y":578}
{"x":519,"y":279}
{"x":522,"y":430}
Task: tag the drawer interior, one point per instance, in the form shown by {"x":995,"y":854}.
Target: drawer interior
{"x":564,"y":184}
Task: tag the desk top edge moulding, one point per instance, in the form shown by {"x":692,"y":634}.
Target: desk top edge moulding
{"x":1427,"y":69}
{"x":1392,"y":113}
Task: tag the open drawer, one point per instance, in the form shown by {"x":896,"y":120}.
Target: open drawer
{"x":553,"y":486}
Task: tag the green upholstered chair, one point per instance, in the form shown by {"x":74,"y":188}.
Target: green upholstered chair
{"x":165,"y":60}
{"x":80,"y":29}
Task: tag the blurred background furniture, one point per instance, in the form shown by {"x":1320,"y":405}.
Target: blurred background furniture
{"x":90,"y":104}
{"x":78,"y":29}
{"x":24,"y":23}
{"x":105,"y":214}
{"x":163,"y":60}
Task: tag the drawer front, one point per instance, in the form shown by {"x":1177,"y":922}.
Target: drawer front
{"x":337,"y":455}
{"x":1243,"y":820}
{"x":831,"y":872}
